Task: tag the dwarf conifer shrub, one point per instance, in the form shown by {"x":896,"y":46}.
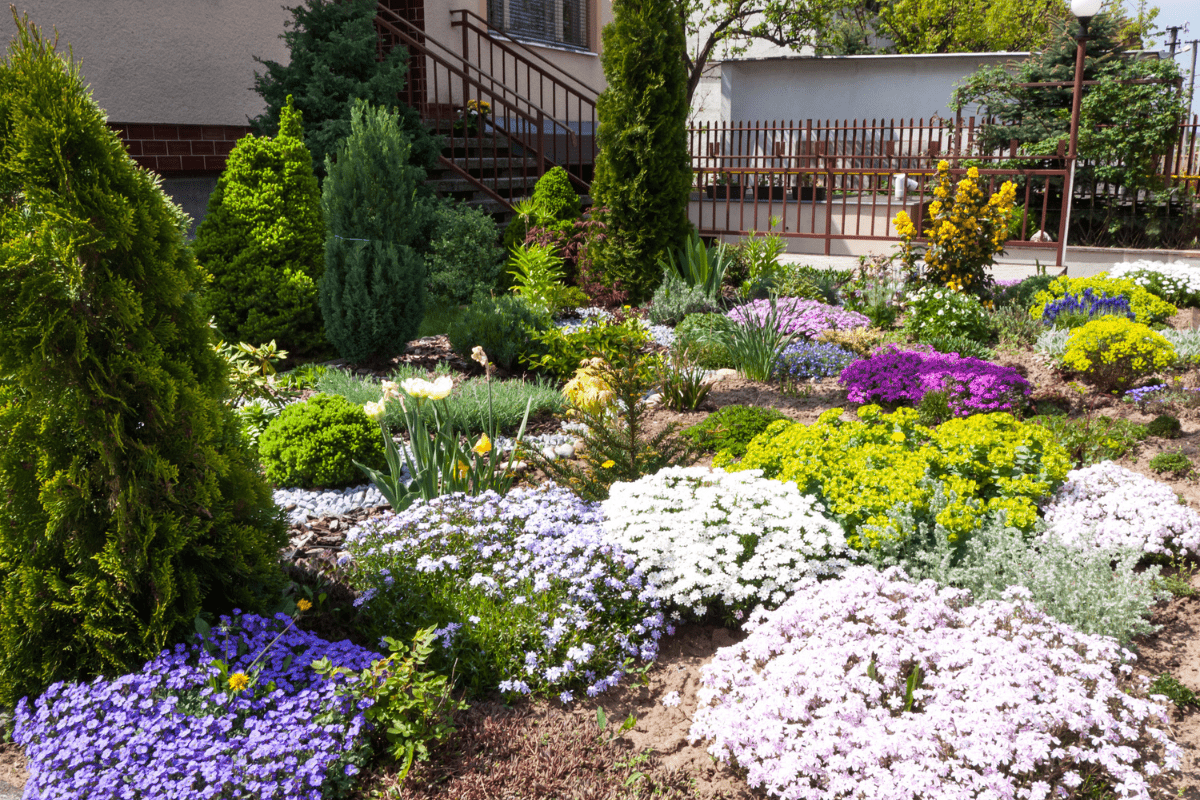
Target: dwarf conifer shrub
{"x":130,"y":502}
{"x":315,"y":443}
{"x":373,"y":293}
{"x":262,"y":242}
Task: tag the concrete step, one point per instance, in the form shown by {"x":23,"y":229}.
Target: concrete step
{"x":505,"y":186}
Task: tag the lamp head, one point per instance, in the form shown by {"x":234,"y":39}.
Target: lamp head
{"x":1084,"y":10}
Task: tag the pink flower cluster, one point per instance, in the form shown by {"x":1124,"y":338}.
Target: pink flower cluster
{"x":872,"y":686}
{"x":807,"y":317}
{"x":975,"y":386}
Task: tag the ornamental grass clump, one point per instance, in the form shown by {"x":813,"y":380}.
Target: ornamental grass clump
{"x":808,"y":318}
{"x":874,"y":686}
{"x":1147,"y":308}
{"x":240,"y":713}
{"x":862,"y":471}
{"x":1113,"y":352}
{"x":526,"y":591}
{"x":1107,"y":506}
{"x":893,"y":375}
{"x":719,"y":541}
{"x":965,"y":232}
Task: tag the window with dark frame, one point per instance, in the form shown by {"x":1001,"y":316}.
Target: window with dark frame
{"x":556,"y":22}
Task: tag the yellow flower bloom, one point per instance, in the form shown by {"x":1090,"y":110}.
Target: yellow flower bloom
{"x":374,"y":410}
{"x":973,"y":173}
{"x":609,"y":464}
{"x":477,"y":354}
{"x":463,"y":469}
{"x":238,"y":681}
{"x":483,"y":446}
{"x":437,"y":390}
{"x":303,"y":604}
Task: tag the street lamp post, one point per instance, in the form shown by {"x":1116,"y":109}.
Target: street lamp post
{"x":1083,"y":10}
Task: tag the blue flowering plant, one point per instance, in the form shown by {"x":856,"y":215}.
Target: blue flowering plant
{"x":1074,"y":310}
{"x":525,"y":591}
{"x":804,"y":360}
{"x":274,"y":729}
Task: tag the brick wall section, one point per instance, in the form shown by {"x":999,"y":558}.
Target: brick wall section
{"x":169,"y":149}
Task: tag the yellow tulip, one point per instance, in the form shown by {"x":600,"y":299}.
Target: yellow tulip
{"x":483,"y":446}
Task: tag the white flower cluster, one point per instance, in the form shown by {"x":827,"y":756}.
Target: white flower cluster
{"x":705,"y":536}
{"x":1178,"y":277}
{"x":872,"y":686}
{"x":1109,"y":507}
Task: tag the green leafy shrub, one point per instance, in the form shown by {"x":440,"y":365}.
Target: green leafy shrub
{"x":810,"y":283}
{"x":563,"y":352}
{"x":373,"y":293}
{"x":1090,"y":440}
{"x":131,"y":502}
{"x":1113,"y":352}
{"x":465,"y":260}
{"x":262,"y":242}
{"x":933,"y":311}
{"x":1164,"y":426}
{"x":964,"y":346}
{"x":554,"y":205}
{"x":1170,"y":688}
{"x":643,"y":171}
{"x":315,"y":443}
{"x":1176,"y":464}
{"x":729,"y":429}
{"x":411,"y":707}
{"x":861,"y":341}
{"x":505,"y":327}
{"x":1147,"y":307}
{"x":538,"y":279}
{"x":864,"y":469}
{"x":1016,"y":328}
{"x":1021,"y":295}
{"x":697,"y":334}
{"x":674,"y":299}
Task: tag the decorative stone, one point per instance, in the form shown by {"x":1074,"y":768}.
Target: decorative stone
{"x":724,"y":374}
{"x":565,"y":450}
{"x":549,"y":454}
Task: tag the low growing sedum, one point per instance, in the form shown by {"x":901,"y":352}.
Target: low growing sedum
{"x":712,"y":537}
{"x":864,"y":469}
{"x":872,"y":686}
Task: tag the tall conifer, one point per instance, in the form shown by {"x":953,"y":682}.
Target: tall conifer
{"x":129,"y":499}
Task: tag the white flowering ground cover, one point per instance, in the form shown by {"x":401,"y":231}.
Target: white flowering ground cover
{"x":709,"y":536}
{"x":1109,"y":507}
{"x":873,"y":686}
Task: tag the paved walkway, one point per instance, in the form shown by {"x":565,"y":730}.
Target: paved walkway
{"x":1002,"y":271}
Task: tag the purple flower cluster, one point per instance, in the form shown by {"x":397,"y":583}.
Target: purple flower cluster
{"x":1089,"y":305}
{"x":893,"y":376}
{"x":804,"y":359}
{"x":166,"y":733}
{"x":795,"y":315}
{"x":872,"y":686}
{"x":530,"y":579}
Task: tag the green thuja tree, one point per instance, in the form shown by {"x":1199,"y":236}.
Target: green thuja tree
{"x":333,"y":62}
{"x":130,"y":502}
{"x":263,"y":242}
{"x":643,"y":171}
{"x":373,"y":294}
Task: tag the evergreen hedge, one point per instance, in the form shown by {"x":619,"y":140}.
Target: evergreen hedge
{"x":373,"y":294}
{"x":263,"y":242}
{"x":130,"y":501}
{"x":643,"y":171}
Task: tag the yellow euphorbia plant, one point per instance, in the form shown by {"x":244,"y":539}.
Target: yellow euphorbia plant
{"x":964,"y":235}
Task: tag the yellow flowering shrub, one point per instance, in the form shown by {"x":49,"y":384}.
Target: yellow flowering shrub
{"x":965,"y":231}
{"x":864,"y":469}
{"x":1146,"y":306}
{"x":1112,"y":352}
{"x":588,"y":391}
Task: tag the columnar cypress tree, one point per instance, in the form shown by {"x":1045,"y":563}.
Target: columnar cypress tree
{"x":333,"y":62}
{"x":263,"y":242}
{"x":643,"y":171}
{"x":129,"y":499}
{"x":373,"y":292}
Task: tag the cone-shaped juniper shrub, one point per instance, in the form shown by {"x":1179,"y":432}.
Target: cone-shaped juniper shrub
{"x":129,"y":501}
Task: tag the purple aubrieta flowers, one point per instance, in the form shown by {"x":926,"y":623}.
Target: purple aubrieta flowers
{"x":558,"y":606}
{"x":806,"y":317}
{"x":163,"y":733}
{"x":1005,"y":702}
{"x":893,"y":375}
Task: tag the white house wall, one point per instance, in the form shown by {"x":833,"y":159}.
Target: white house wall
{"x":847,"y":87}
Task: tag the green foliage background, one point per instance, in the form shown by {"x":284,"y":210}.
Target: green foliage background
{"x":130,"y":501}
{"x":263,"y":242}
{"x":643,"y":172}
{"x":332,"y":63}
